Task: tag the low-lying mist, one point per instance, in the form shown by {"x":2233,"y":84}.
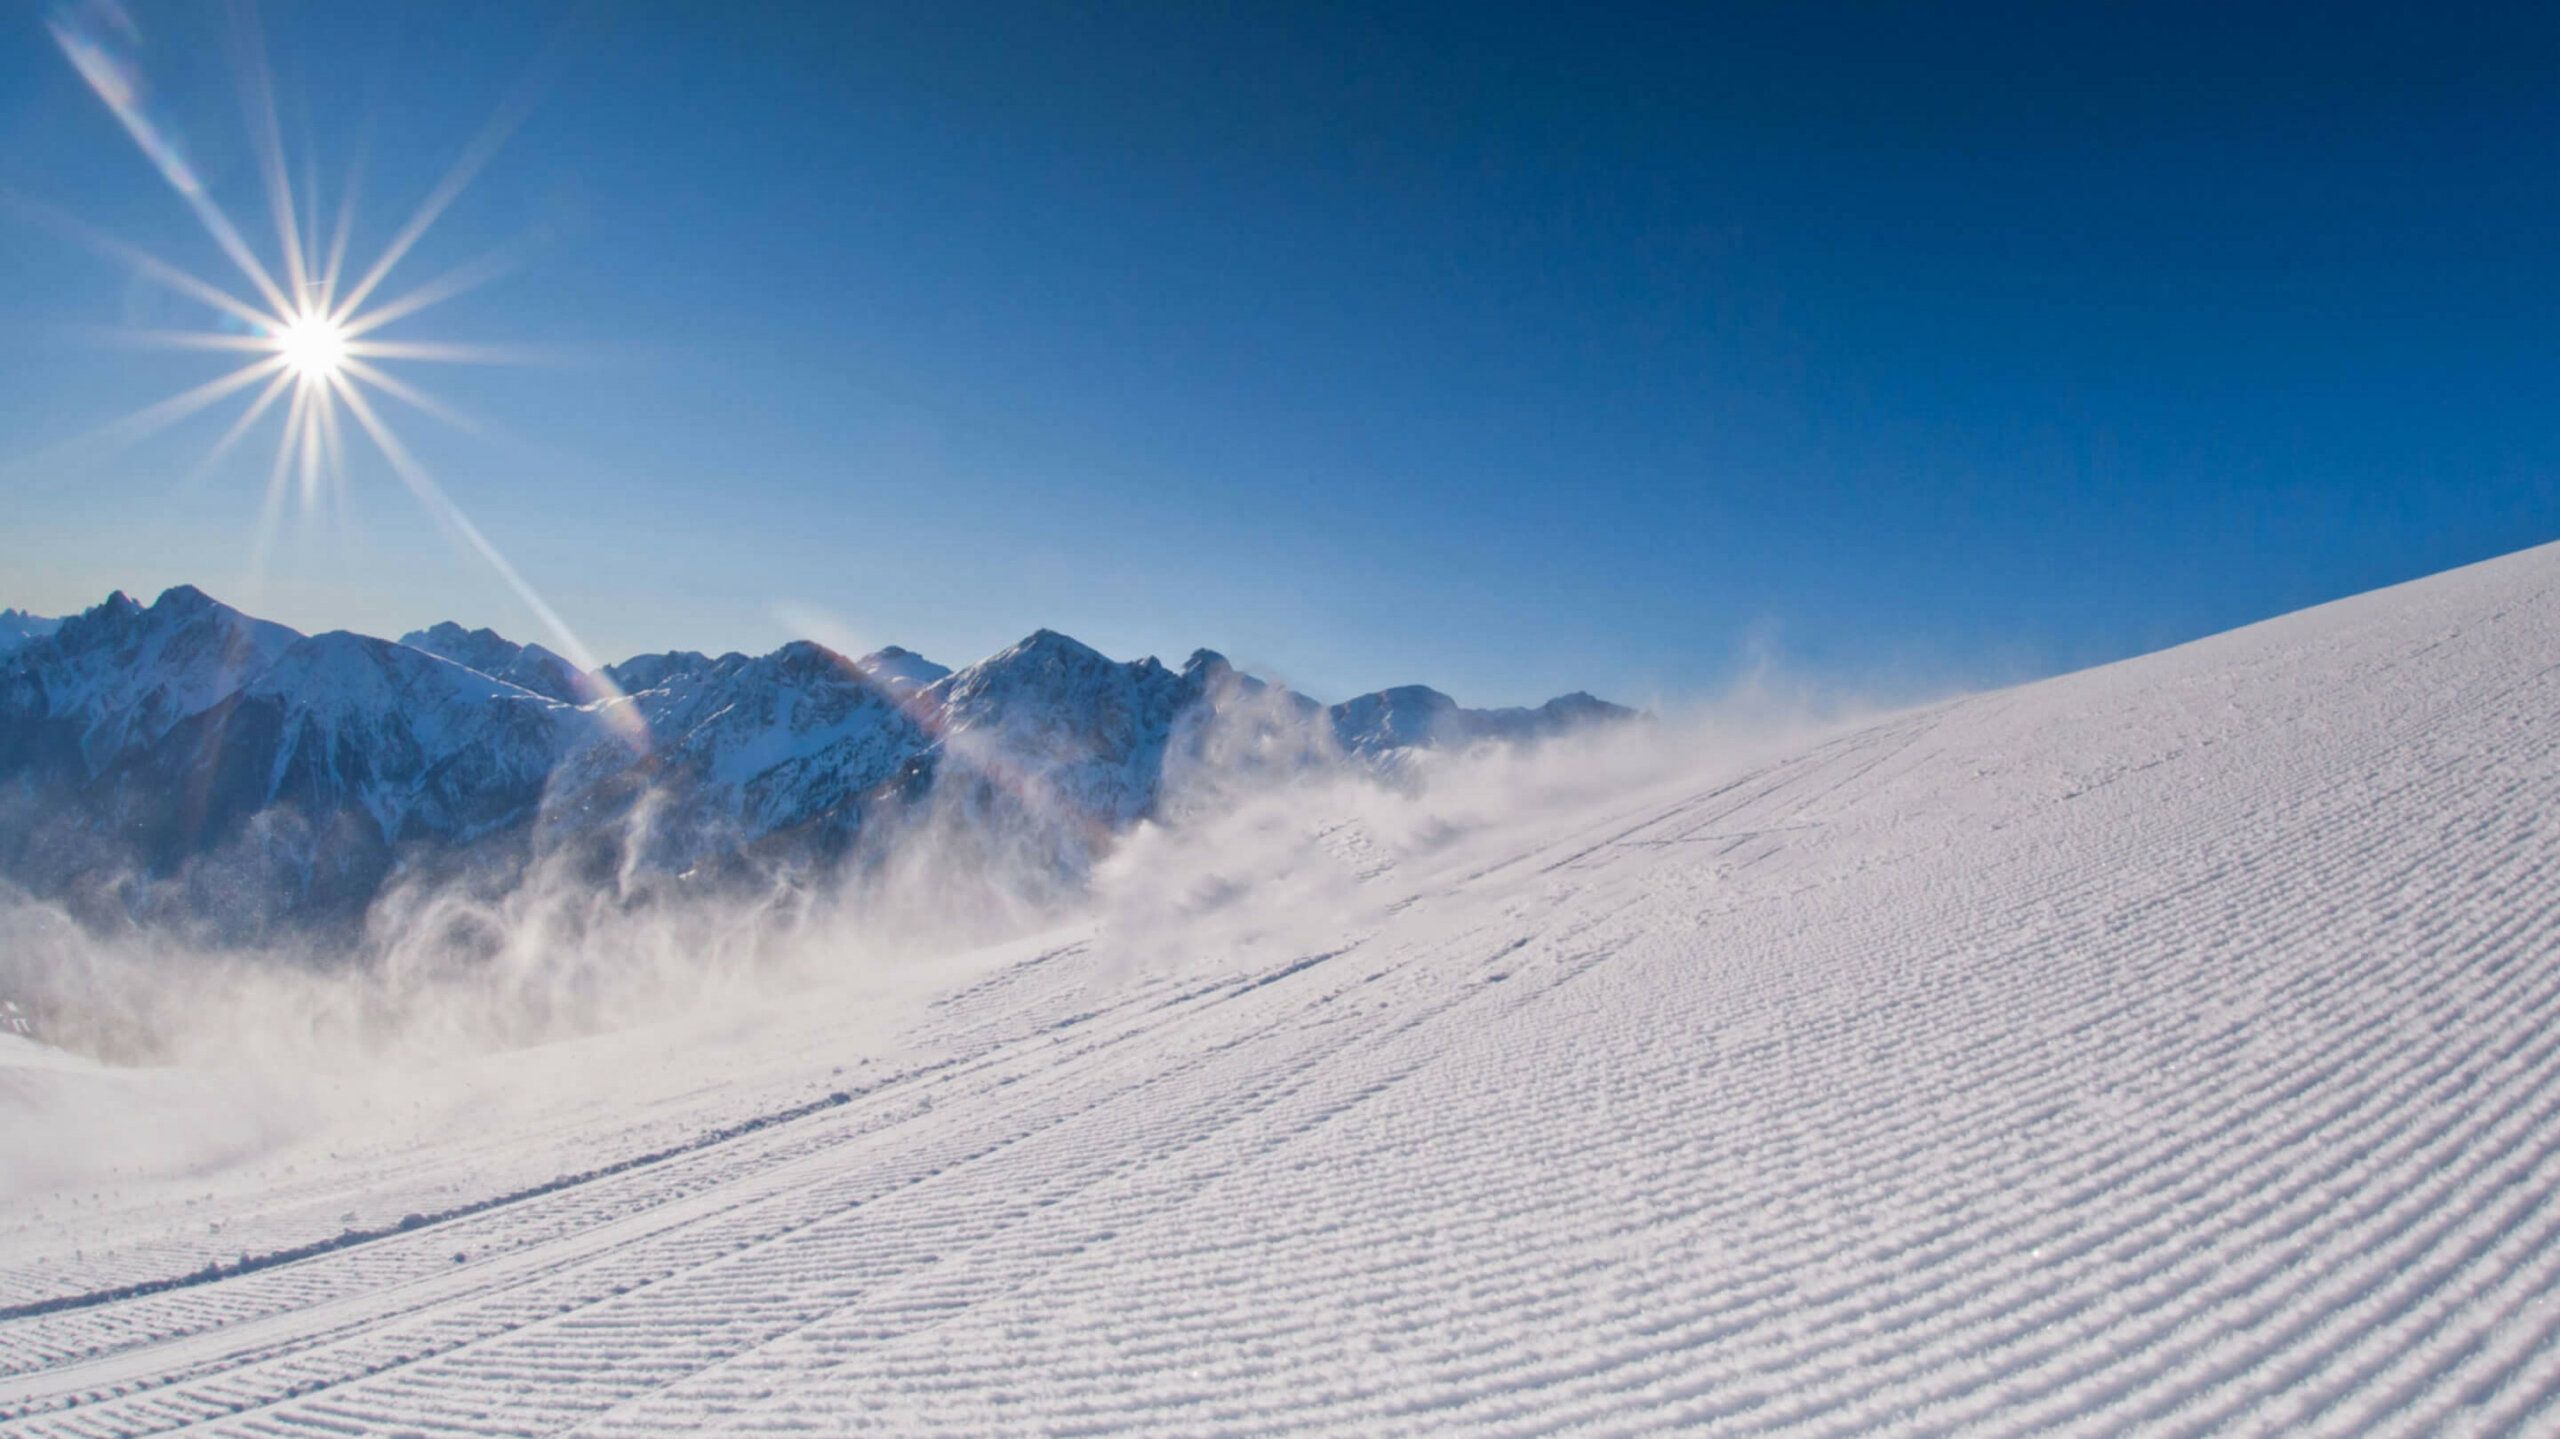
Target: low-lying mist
{"x":1254,"y":847}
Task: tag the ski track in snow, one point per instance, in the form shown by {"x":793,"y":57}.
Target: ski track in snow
{"x":2172,"y":1048}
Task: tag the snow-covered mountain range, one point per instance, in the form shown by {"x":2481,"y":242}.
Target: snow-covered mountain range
{"x":185,"y":760}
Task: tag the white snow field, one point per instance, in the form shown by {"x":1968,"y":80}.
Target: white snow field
{"x":2168,"y":1048}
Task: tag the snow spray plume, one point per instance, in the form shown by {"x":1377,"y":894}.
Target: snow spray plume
{"x":1261,"y":834}
{"x":1269,"y":844}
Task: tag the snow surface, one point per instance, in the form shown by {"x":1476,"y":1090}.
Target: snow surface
{"x":2168,"y":1048}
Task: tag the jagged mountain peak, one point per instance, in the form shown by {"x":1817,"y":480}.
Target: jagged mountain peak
{"x":346,"y":671}
{"x":527,"y":666}
{"x":1423,"y":695}
{"x":17,"y":627}
{"x":652,"y":671}
{"x":117,"y":674}
{"x":1419,"y":717}
{"x":1405,"y":716}
{"x":808,"y":657}
{"x":784,"y":741}
{"x":185,"y":599}
{"x":1045,"y":664}
{"x":176,"y":605}
{"x":902,"y":671}
{"x":1581,"y":705}
{"x":180,"y":606}
{"x":1044,"y":646}
{"x":447,"y":633}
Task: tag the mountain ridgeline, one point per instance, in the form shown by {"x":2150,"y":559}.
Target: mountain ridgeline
{"x":184,"y":763}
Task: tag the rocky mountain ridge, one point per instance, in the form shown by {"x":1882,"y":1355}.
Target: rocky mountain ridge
{"x":184,"y":761}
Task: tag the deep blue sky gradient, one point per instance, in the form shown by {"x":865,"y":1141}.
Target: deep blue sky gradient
{"x":1509,"y":349}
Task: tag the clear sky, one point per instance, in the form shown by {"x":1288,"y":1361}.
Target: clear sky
{"x":1512,"y":350}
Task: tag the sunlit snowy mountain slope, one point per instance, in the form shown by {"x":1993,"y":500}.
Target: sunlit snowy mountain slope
{"x":2168,"y":1048}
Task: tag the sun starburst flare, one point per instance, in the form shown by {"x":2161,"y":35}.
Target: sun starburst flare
{"x":311,"y":346}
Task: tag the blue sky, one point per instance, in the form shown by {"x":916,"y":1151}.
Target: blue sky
{"x":1513,"y":350}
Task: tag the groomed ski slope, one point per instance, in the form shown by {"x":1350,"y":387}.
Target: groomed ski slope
{"x":2168,"y":1048}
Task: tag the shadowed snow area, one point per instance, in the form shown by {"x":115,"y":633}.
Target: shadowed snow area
{"x":2172,"y":1047}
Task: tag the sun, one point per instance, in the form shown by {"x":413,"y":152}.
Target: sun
{"x":313,"y":346}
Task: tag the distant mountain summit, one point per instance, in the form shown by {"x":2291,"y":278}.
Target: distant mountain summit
{"x":900,"y":671}
{"x":189,"y":762}
{"x":118,"y":677}
{"x":17,"y":627}
{"x":526,"y":666}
